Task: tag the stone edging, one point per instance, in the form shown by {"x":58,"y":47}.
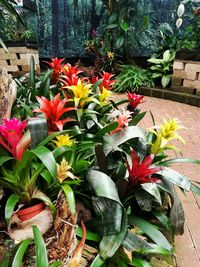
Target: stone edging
{"x":171,"y":94}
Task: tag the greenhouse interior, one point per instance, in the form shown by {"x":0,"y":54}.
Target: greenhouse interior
{"x":99,"y":133}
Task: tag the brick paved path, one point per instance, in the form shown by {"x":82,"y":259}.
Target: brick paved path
{"x":187,"y":246}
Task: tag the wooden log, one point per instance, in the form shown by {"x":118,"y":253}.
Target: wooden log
{"x":8,"y":92}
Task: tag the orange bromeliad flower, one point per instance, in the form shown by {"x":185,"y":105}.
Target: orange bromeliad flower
{"x":56,"y":65}
{"x":53,"y":110}
{"x":141,"y":172}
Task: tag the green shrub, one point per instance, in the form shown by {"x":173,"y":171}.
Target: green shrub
{"x":131,"y":78}
{"x":162,"y":67}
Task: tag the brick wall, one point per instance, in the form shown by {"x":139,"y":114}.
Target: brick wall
{"x":17,"y":60}
{"x":186,"y":74}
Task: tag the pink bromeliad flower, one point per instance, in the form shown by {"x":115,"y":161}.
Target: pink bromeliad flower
{"x":53,"y":110}
{"x":141,"y":171}
{"x":12,"y":132}
{"x":122,"y":118}
{"x":94,"y":34}
{"x":135,"y":100}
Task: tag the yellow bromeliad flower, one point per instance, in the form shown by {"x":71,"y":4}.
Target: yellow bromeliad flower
{"x":167,"y":132}
{"x":63,"y":140}
{"x":81,"y":91}
{"x":169,"y":129}
{"x":104,"y":96}
{"x":64,"y":171}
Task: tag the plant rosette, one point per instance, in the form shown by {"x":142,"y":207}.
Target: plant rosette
{"x":21,"y":168}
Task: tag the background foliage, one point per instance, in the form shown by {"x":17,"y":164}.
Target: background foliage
{"x":64,"y":26}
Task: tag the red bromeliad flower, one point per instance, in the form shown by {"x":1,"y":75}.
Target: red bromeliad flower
{"x":70,"y":70}
{"x":70,"y":74}
{"x":56,"y":65}
{"x":135,"y":100}
{"x":141,"y":172}
{"x":94,"y":79}
{"x":107,"y":82}
{"x":12,"y":132}
{"x":53,"y":110}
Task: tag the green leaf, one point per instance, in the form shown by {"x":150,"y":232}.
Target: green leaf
{"x":155,"y":249}
{"x":103,"y":185}
{"x":166,"y":55}
{"x":3,"y":159}
{"x":45,"y":83}
{"x":140,"y":263}
{"x":89,"y":235}
{"x":107,"y":204}
{"x":195,"y":189}
{"x":56,"y":264}
{"x":112,"y":18}
{"x":120,"y":42}
{"x":110,"y":243}
{"x":179,"y":160}
{"x":10,"y":205}
{"x":175,"y":178}
{"x":150,"y":230}
{"x":38,"y":130}
{"x":69,"y":194}
{"x":109,"y":216}
{"x":164,"y":220}
{"x":177,"y":218}
{"x":136,"y":119}
{"x":97,"y":262}
{"x":3,"y":45}
{"x":111,"y":26}
{"x":165,"y":80}
{"x":47,"y":158}
{"x":155,"y":60}
{"x":123,"y":136}
{"x":17,"y":261}
{"x":124,"y":26}
{"x":41,"y":252}
{"x":32,"y":78}
{"x":133,"y":242}
{"x":107,"y":129}
{"x":153,"y":190}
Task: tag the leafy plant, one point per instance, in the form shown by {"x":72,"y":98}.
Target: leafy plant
{"x":162,"y":68}
{"x":40,"y":248}
{"x":28,"y":88}
{"x":104,"y":160}
{"x":131,"y":78}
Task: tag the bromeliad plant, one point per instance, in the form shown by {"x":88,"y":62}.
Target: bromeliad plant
{"x":103,"y":159}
